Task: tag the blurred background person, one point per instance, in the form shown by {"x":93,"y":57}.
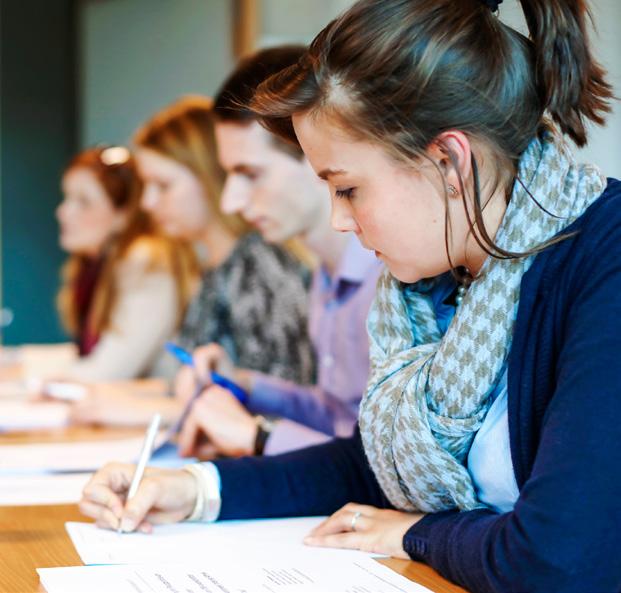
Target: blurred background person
{"x":252,"y":300}
{"x":272,"y":186}
{"x":125,"y":287}
{"x":253,"y":296}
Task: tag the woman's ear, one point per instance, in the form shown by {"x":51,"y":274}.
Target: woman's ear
{"x":451,"y":150}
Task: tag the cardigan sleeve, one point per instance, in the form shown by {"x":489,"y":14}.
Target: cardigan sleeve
{"x":564,"y":533}
{"x":313,"y":481}
{"x":143,"y":318}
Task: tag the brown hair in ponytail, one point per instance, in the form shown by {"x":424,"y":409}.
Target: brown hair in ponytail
{"x":572,"y":85}
{"x":398,"y":73}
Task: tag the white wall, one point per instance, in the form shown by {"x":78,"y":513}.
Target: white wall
{"x":138,"y":55}
{"x":299,"y":22}
{"x":604,"y":148}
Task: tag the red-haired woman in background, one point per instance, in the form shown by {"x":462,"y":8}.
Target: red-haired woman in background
{"x":125,"y":287}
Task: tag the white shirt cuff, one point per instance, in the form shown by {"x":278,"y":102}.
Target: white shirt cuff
{"x":208,"y":499}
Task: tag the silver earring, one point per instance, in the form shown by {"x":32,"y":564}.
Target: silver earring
{"x":452,"y":190}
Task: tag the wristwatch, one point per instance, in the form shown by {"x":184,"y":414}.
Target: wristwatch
{"x":264,"y":429}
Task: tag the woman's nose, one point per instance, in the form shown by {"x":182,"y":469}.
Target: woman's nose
{"x":342,"y":218}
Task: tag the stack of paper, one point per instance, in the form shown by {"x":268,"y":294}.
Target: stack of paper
{"x":55,"y":473}
{"x":42,"y":489}
{"x":241,"y":574}
{"x":26,"y":415}
{"x":83,"y":456}
{"x":231,"y":556}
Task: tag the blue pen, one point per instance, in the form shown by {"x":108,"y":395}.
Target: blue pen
{"x":184,"y":357}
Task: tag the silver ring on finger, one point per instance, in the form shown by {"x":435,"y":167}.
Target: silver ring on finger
{"x":352,"y":525}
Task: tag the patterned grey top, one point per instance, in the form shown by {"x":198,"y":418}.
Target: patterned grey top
{"x":255,"y":305}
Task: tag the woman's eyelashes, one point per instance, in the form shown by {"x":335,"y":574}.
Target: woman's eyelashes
{"x":345,"y":193}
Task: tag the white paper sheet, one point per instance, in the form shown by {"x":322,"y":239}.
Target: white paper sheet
{"x":190,"y":542}
{"x":25,"y":415}
{"x":75,"y":456}
{"x":45,"y":489}
{"x":67,"y":391}
{"x":14,"y":390}
{"x":46,"y":360}
{"x":292,"y":573}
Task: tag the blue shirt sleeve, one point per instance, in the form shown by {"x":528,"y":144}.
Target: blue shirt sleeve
{"x":306,"y":404}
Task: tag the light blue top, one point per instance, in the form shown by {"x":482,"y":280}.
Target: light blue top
{"x":489,"y":459}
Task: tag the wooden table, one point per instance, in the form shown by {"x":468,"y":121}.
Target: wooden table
{"x":34,"y":536}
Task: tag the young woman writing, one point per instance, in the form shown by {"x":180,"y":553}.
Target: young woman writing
{"x":489,"y":430}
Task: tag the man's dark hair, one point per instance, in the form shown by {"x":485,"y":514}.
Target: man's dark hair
{"x":232,"y":102}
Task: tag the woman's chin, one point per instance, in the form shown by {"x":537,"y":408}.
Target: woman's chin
{"x":407,"y":276}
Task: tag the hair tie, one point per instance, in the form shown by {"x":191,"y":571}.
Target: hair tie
{"x":492,"y":4}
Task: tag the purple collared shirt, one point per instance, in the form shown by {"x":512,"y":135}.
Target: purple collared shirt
{"x":338,"y":306}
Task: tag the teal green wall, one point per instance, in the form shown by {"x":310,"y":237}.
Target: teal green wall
{"x":37,"y":128}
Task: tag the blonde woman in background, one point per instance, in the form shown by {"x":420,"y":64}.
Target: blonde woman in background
{"x":125,"y":287}
{"x":253,"y":296}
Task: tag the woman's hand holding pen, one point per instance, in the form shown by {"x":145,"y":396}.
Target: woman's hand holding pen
{"x":164,"y":496}
{"x":185,"y":384}
{"x":218,"y":418}
{"x":213,"y":357}
{"x":206,"y":359}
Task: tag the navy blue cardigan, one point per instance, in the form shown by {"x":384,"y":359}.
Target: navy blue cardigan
{"x":564,"y":399}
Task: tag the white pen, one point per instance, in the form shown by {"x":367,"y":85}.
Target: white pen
{"x":145,"y":455}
